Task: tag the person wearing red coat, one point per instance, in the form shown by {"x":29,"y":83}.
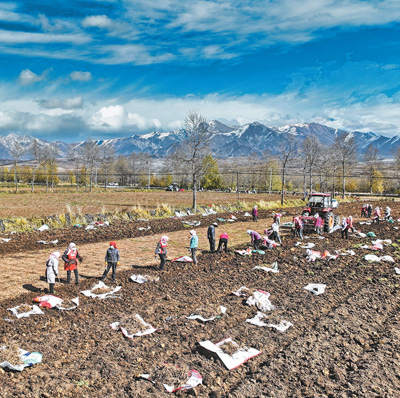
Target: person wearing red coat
{"x":223,"y":241}
{"x":71,"y":258}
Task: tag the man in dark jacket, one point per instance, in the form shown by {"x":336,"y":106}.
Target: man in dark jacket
{"x":211,"y":236}
{"x":112,"y":260}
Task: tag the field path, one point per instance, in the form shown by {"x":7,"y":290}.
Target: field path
{"x":22,"y":272}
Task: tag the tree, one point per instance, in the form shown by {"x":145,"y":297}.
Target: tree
{"x":371,"y":159}
{"x":286,"y":154}
{"x":122,"y":169}
{"x":377,"y":182}
{"x":312,"y":151}
{"x":75,"y":157}
{"x":49,"y":158}
{"x":17,"y":152}
{"x":211,"y":178}
{"x":344,"y":148}
{"x":107,"y":159}
{"x":91,"y":158}
{"x":38,"y":154}
{"x":194,"y":147}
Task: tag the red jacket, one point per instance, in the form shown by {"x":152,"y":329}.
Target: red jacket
{"x":71,"y":259}
{"x":224,"y":236}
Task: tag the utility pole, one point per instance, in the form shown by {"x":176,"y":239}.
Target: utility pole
{"x":148,"y":180}
{"x":270,"y":181}
{"x":237,"y":185}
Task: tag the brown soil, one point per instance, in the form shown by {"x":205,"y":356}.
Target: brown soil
{"x":133,"y":325}
{"x":24,"y":308}
{"x":11,"y":355}
{"x":209,"y":311}
{"x":41,"y":204}
{"x":169,"y":374}
{"x":101,"y":290}
{"x":343,"y":343}
{"x":229,"y":347}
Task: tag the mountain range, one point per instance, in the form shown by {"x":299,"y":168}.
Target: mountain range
{"x":226,"y":141}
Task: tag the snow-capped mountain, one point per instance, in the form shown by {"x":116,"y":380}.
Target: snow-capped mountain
{"x":225,"y":141}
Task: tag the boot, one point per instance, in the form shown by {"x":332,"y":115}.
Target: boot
{"x":76,"y":277}
{"x":68,"y":277}
{"x":51,"y":288}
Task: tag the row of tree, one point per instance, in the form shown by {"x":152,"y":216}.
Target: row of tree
{"x":301,"y":166}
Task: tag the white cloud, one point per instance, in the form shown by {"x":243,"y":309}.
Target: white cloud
{"x":80,"y":76}
{"x":13,"y":37}
{"x":97,"y":21}
{"x":136,"y":54}
{"x":67,"y":104}
{"x":27,"y":77}
{"x":114,"y":118}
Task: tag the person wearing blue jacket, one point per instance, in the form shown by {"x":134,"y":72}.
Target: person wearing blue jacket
{"x":194,"y":242}
{"x":111,"y":260}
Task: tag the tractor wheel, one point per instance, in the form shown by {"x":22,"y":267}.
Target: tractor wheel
{"x":336,"y":220}
{"x":305,"y":214}
{"x":328,"y":221}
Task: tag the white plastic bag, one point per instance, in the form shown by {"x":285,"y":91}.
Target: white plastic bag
{"x":260,"y":299}
{"x":316,"y":288}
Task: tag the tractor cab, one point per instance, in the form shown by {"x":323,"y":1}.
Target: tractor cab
{"x":318,"y":203}
{"x":321,"y":204}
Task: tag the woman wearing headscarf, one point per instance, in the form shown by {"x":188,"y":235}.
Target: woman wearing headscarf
{"x":161,"y":250}
{"x":52,"y":270}
{"x":112,"y":260}
{"x":70,"y":258}
{"x":254,"y":213}
{"x":194,"y":242}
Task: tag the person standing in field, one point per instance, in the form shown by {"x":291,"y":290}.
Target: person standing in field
{"x":194,"y":242}
{"x":70,"y":258}
{"x":345,"y":228}
{"x":211,"y":236}
{"x":223,"y":241}
{"x":161,"y":250}
{"x":318,"y":224}
{"x":254,"y":213}
{"x":277,"y":218}
{"x":388,"y":210}
{"x":112,"y":260}
{"x":52,"y":270}
{"x":297,"y":227}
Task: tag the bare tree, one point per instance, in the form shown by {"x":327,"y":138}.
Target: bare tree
{"x":396,"y":154}
{"x":122,"y":168}
{"x":312,"y":151}
{"x":371,"y":159}
{"x":194,"y":148}
{"x":49,"y":158}
{"x":91,"y":157}
{"x":344,"y":148}
{"x":17,"y":151}
{"x":75,"y":157}
{"x":107,"y":159}
{"x":286,"y":154}
{"x":38,"y":153}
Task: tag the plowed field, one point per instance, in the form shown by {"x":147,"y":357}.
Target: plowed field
{"x":343,"y":343}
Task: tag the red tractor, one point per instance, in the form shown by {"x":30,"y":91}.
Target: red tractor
{"x":319,"y":203}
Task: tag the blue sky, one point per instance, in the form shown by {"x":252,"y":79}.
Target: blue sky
{"x":109,"y":68}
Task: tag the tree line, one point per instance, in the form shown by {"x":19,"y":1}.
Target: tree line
{"x":298,"y":166}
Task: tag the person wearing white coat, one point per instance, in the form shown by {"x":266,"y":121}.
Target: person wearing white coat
{"x":52,"y":270}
